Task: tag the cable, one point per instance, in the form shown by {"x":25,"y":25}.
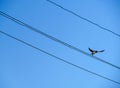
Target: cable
{"x":55,"y":39}
{"x":30,"y":45}
{"x":118,"y":35}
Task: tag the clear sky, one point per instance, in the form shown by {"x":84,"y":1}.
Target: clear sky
{"x":24,"y":67}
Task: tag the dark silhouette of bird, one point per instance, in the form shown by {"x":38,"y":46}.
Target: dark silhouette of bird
{"x":95,"y":51}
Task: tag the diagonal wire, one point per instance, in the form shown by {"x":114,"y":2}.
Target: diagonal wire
{"x":106,"y":29}
{"x":55,"y":39}
{"x":65,"y":61}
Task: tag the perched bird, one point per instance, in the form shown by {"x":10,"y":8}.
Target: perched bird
{"x":94,"y":51}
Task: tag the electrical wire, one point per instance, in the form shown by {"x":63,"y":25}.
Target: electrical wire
{"x":101,"y":27}
{"x":58,"y":58}
{"x":55,"y":39}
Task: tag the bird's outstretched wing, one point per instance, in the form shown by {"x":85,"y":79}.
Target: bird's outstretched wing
{"x":90,"y":50}
{"x":101,"y":51}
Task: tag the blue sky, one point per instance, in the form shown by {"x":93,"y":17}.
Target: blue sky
{"x":24,"y":67}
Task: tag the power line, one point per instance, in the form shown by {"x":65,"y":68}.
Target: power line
{"x":65,"y":61}
{"x":55,"y":39}
{"x":106,"y":29}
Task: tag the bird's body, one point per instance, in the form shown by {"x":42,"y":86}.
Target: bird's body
{"x":94,"y":51}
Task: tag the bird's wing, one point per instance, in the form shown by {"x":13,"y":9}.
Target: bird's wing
{"x":90,"y":50}
{"x":102,"y":51}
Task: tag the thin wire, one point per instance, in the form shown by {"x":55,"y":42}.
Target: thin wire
{"x":30,"y":45}
{"x":55,"y":39}
{"x":118,"y":35}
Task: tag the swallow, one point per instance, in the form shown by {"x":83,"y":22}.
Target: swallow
{"x":95,"y":51}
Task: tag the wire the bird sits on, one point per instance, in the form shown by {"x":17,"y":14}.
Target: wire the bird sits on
{"x":83,"y":18}
{"x":58,"y":58}
{"x":55,"y":39}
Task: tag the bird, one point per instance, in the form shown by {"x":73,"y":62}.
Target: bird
{"x":95,"y":51}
